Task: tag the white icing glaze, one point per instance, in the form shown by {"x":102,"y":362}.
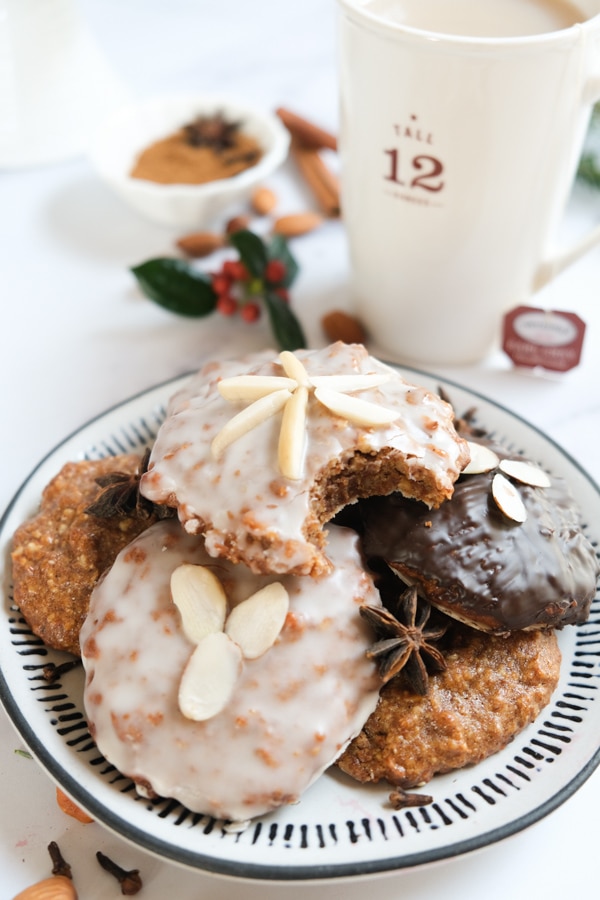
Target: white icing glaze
{"x":242,"y":501}
{"x":293,"y":709}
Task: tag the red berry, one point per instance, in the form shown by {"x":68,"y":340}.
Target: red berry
{"x":275,"y":271}
{"x":235,"y":270}
{"x":250,"y":312}
{"x":226,"y":305}
{"x":283,"y":294}
{"x":221,"y":284}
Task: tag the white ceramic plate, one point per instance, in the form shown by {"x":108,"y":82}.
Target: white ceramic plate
{"x":339,"y":828}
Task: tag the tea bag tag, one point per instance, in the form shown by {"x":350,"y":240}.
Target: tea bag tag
{"x":542,"y":338}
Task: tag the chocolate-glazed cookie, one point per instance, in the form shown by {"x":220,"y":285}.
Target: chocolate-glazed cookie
{"x":481,"y":567}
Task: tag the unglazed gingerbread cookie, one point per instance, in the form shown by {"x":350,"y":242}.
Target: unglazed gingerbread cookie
{"x":501,"y":555}
{"x":231,"y":704}
{"x":60,"y":553}
{"x":258,"y":455}
{"x":491,"y":689}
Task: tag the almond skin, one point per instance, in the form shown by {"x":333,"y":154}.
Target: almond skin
{"x":71,"y":809}
{"x":297,"y":224}
{"x":57,"y":887}
{"x":263,"y":201}
{"x":200,"y":243}
{"x":238,"y":223}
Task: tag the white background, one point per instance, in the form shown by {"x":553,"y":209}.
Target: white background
{"x":77,"y":337}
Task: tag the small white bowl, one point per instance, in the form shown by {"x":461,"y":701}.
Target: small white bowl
{"x":130,"y":130}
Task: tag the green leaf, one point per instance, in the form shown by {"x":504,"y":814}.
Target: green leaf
{"x":24,"y":753}
{"x":284,"y":324}
{"x":176,"y":285}
{"x":589,"y":170}
{"x":252,"y":251}
{"x":279,"y":249}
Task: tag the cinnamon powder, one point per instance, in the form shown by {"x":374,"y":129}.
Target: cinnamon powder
{"x":173,"y":160}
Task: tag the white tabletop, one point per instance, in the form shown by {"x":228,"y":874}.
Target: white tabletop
{"x":78,"y":337}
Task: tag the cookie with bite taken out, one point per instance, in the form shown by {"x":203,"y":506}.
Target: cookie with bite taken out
{"x":258,"y":455}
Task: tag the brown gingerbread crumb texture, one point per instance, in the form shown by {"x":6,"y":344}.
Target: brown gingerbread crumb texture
{"x":60,"y":553}
{"x":492,"y":688}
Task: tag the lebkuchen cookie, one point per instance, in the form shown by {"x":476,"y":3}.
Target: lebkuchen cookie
{"x":506,"y":553}
{"x":228,"y":691}
{"x":258,"y":455}
{"x":59,"y":554}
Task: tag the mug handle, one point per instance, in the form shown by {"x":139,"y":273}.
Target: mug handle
{"x":553,"y":267}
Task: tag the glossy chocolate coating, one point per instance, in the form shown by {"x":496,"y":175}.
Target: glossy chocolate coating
{"x":477,"y":565}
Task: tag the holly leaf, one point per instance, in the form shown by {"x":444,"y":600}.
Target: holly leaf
{"x":252,"y":251}
{"x":175,"y":285}
{"x":284,"y":324}
{"x":278,"y":248}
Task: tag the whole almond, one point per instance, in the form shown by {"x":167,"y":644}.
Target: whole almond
{"x":263,"y":201}
{"x":341,"y":326}
{"x":200,"y":243}
{"x":297,"y":224}
{"x":238,"y":223}
{"x":56,"y":887}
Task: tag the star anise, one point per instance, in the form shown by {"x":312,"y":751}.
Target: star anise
{"x":120,"y":496}
{"x":465,"y":424}
{"x":211,"y":131}
{"x":405,"y":643}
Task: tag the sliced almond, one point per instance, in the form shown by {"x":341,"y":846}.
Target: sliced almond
{"x":483,"y":459}
{"x":210,"y":677}
{"x":349,"y":382}
{"x":199,"y":596}
{"x":293,"y":368}
{"x":255,"y":623}
{"x":525,"y":472}
{"x":247,"y":388}
{"x":249,"y":418}
{"x":292,"y":435}
{"x":507,"y":498}
{"x":359,"y":412}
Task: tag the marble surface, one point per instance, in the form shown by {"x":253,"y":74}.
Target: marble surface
{"x":77,"y":337}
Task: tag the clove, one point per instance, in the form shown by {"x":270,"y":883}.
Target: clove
{"x":401,"y":799}
{"x":59,"y":865}
{"x":51,"y":672}
{"x":130,"y":881}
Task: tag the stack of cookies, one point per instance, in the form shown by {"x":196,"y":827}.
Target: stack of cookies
{"x":236,"y":632}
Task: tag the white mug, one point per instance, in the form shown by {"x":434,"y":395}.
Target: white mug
{"x":458,"y":153}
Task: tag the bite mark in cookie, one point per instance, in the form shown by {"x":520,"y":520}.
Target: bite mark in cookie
{"x":483,"y":563}
{"x":227,"y":483}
